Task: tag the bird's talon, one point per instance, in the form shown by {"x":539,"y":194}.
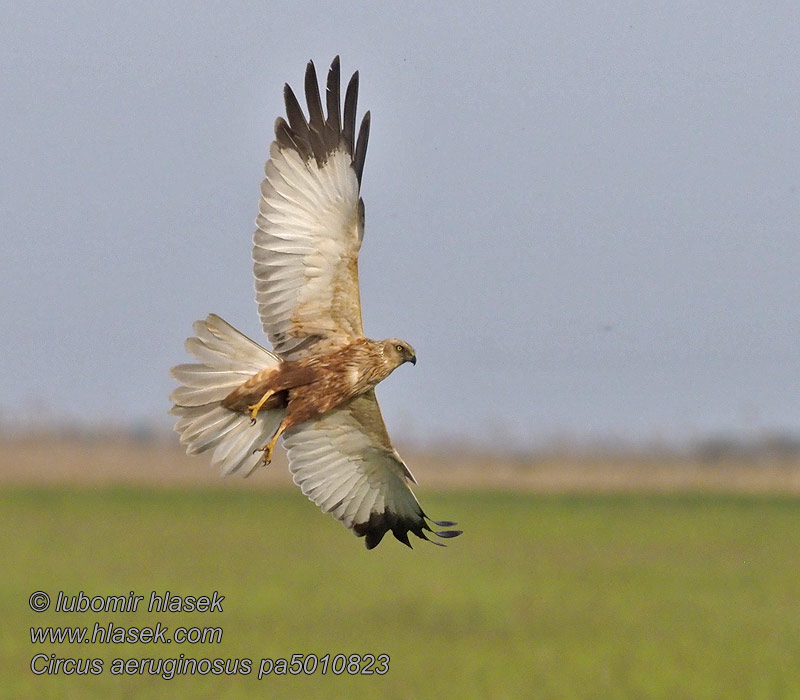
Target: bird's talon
{"x":256,"y":407}
{"x":267,"y":450}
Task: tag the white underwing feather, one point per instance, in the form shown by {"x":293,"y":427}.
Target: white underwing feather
{"x":227,"y":359}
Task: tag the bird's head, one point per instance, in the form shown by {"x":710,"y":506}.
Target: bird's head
{"x":397,"y":351}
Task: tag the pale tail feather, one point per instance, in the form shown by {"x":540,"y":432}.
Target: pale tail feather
{"x":227,"y":359}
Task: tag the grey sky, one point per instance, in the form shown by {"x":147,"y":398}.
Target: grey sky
{"x":585,"y":217}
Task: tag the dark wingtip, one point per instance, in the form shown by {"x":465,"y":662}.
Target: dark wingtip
{"x":447,"y":534}
{"x":349,"y":118}
{"x":373,"y":539}
{"x":360,"y":153}
{"x":312,"y":90}
{"x":379,"y":524}
{"x":402,"y":536}
{"x":444,"y":534}
{"x":423,"y":536}
{"x":320,"y":134}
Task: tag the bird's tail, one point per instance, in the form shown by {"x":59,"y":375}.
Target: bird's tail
{"x":226,"y":359}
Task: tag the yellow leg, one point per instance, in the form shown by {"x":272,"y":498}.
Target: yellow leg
{"x":270,"y":446}
{"x":255,"y":408}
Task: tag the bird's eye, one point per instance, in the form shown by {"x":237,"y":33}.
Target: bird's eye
{"x":399,"y":348}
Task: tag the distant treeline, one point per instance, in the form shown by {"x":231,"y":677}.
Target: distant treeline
{"x":709,"y":448}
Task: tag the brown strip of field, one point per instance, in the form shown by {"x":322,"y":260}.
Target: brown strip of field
{"x":126,"y":461}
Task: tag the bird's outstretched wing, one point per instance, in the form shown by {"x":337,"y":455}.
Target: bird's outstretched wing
{"x":311,"y":221}
{"x":345,"y":463}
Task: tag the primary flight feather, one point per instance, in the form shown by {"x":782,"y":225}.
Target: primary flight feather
{"x":316,"y":388}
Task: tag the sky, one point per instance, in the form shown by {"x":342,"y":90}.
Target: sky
{"x":584,"y":216}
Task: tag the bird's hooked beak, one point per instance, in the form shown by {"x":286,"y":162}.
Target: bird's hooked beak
{"x":413,"y":359}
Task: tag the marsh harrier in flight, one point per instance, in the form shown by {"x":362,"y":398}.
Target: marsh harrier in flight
{"x":316,"y":387}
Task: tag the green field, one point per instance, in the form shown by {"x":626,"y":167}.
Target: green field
{"x":543,"y":596}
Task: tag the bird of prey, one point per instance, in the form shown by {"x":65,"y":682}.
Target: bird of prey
{"x":316,"y":387}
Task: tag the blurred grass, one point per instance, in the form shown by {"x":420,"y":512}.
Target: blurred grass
{"x":634,"y":596}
